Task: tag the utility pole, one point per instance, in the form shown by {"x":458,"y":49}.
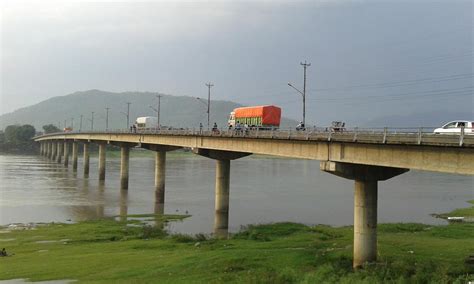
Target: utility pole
{"x":92,"y":121}
{"x":65,"y":123}
{"x":305,"y":65}
{"x":107,"y":118}
{"x":128,"y":114}
{"x":209,"y":85}
{"x":158,"y":110}
{"x":80,"y":124}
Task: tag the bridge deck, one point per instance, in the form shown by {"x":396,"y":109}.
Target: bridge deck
{"x":422,"y":151}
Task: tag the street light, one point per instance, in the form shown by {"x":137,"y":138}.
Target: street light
{"x":127,"y":114}
{"x":207,"y":105}
{"x":303,"y":96}
{"x":157,"y":110}
{"x":303,"y":93}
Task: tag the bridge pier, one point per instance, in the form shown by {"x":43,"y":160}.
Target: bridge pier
{"x":48,"y":149}
{"x":222,"y":189}
{"x":86,"y":159}
{"x":74,"y":156}
{"x":365,"y":204}
{"x":66,"y":154}
{"x":102,"y":151}
{"x":53,"y":151}
{"x":160,"y":174}
{"x":59,"y":152}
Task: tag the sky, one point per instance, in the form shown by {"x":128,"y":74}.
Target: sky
{"x":368,"y":58}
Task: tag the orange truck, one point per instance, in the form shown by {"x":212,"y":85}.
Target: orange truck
{"x":268,"y":116}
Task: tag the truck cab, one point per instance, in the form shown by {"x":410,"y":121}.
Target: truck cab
{"x":231,"y":121}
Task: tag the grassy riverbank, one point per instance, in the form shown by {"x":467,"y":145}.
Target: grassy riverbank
{"x":461,"y":212}
{"x":110,"y":251}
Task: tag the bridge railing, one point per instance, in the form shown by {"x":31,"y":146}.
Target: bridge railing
{"x":386,"y":135}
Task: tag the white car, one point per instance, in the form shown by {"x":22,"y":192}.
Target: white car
{"x":454,"y":127}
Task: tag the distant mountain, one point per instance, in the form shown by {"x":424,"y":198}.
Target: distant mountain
{"x":422,"y":119}
{"x":176,"y":111}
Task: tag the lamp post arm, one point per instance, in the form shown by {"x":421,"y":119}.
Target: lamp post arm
{"x":301,"y":93}
{"x":203,"y":102}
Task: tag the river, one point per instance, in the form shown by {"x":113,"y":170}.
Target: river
{"x":263,"y":190}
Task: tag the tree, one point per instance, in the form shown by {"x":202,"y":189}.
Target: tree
{"x":26,"y":132}
{"x":10,"y":133}
{"x":50,"y":128}
{"x":19,"y":134}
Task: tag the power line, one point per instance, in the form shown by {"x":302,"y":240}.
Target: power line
{"x":392,"y":84}
{"x":401,"y":83}
{"x":430,"y":93}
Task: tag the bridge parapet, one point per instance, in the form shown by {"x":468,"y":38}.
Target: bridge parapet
{"x":394,"y":136}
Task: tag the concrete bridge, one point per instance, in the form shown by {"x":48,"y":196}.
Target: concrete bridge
{"x":363,"y":156}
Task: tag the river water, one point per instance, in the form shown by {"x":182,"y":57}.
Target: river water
{"x":263,"y":190}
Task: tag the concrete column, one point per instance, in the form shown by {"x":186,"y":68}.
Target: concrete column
{"x":74,"y":156}
{"x":160,"y":176}
{"x":53,"y":150}
{"x":102,"y":149}
{"x":41,"y":149}
{"x":86,"y":160}
{"x":66,"y":154}
{"x":365,"y":222}
{"x":48,"y":145}
{"x":124,"y":161}
{"x":365,"y":204}
{"x":59,"y":152}
{"x":223,"y":158}
{"x":221,"y":216}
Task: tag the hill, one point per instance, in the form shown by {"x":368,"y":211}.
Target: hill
{"x":176,"y":111}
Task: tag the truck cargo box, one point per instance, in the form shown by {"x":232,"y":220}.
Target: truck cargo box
{"x":265,"y":115}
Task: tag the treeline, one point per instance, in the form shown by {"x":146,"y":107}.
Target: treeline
{"x":17,"y":139}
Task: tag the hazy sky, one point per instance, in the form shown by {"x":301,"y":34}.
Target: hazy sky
{"x":368,"y":58}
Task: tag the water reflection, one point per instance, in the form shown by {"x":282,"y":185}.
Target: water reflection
{"x":100,"y":209}
{"x":159,"y":206}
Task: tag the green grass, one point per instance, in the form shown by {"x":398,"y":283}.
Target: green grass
{"x":461,"y":212}
{"x":110,"y":251}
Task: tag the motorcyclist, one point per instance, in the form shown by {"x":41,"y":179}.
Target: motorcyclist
{"x":300,"y":126}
